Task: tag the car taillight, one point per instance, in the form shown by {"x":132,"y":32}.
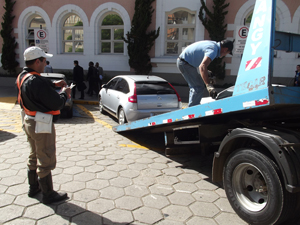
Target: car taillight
{"x":179,"y":99}
{"x":133,"y":98}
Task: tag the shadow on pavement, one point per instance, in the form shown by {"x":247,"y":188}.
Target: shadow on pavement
{"x":4,"y":135}
{"x":75,"y":214}
{"x":189,"y":157}
{"x":153,"y":141}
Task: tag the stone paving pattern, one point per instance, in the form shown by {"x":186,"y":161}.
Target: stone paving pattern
{"x":109,"y":178}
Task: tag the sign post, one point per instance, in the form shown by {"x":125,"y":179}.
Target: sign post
{"x":41,"y":39}
{"x":240,"y":39}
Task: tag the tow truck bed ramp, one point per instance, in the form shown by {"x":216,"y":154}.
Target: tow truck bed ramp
{"x":275,"y":102}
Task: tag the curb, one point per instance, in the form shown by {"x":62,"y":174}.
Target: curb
{"x":85,"y":102}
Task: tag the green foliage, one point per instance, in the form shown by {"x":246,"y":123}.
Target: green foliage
{"x":8,"y":59}
{"x":78,"y":24}
{"x":79,"y":50}
{"x":138,"y":39}
{"x":248,"y":20}
{"x":112,"y":19}
{"x":69,"y":37}
{"x":214,"y":23}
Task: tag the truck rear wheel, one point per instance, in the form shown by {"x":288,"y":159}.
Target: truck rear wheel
{"x":254,"y":188}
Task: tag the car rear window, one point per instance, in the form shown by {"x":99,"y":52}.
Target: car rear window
{"x":150,"y":88}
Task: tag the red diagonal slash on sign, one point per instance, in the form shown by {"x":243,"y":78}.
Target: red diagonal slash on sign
{"x":254,"y":63}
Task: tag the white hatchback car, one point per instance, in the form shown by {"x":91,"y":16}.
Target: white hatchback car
{"x":133,"y":97}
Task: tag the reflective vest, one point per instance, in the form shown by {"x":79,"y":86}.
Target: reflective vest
{"x":27,"y":111}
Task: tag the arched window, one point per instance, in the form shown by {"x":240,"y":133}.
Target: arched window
{"x":248,"y":19}
{"x":180,"y":31}
{"x":111,"y":33}
{"x":38,"y":23}
{"x":73,"y":34}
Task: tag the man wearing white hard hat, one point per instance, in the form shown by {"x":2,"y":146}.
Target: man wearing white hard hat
{"x":41,"y":106}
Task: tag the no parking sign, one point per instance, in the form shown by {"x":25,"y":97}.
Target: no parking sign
{"x":41,"y":39}
{"x":241,"y":33}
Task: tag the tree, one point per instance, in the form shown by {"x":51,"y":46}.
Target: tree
{"x":8,"y":59}
{"x":214,"y":23}
{"x":138,"y":39}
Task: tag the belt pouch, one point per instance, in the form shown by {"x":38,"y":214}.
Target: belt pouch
{"x":22,"y":116}
{"x":43,"y":123}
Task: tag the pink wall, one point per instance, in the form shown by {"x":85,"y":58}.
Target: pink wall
{"x":51,"y":6}
{"x":2,"y":11}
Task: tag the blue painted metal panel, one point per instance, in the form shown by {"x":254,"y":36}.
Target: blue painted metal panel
{"x":256,"y":62}
{"x":286,"y":95}
{"x":287,"y":41}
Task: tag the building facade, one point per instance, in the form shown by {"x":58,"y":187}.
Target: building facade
{"x":91,"y":31}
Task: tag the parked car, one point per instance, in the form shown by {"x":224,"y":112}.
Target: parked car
{"x":133,"y":97}
{"x":68,"y":108}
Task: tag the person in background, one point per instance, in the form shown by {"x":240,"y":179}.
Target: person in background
{"x":193,"y":63}
{"x":78,"y":79}
{"x":92,"y":77}
{"x":100,"y":74}
{"x":48,"y":68}
{"x":297,"y":76}
{"x":37,"y":94}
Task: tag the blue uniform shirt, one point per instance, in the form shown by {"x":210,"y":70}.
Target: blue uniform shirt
{"x":194,"y":53}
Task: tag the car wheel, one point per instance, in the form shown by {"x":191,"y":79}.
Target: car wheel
{"x":101,"y":109}
{"x":70,"y":113}
{"x":121,"y":116}
{"x":254,"y":188}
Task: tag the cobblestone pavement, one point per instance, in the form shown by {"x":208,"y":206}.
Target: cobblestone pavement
{"x":109,"y":178}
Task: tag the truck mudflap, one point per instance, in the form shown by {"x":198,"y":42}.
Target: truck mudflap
{"x":283,"y":147}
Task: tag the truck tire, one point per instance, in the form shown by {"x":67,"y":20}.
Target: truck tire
{"x":253,"y":185}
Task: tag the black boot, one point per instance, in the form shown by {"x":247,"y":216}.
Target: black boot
{"x":50,"y":196}
{"x":33,"y":183}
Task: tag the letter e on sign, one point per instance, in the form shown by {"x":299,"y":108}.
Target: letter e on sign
{"x":41,"y":34}
{"x":243,"y":32}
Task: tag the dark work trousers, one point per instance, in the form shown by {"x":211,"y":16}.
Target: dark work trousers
{"x":74,"y":91}
{"x":42,"y":156}
{"x":93,"y":86}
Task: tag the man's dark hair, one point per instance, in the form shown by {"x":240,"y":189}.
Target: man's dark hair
{"x":227,"y":44}
{"x":76,"y":62}
{"x":47,"y":62}
{"x":31,"y":62}
{"x":91,"y":63}
{"x":298,"y":65}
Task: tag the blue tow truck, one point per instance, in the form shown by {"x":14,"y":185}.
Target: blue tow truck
{"x":256,"y":129}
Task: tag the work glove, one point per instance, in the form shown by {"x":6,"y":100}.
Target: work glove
{"x":211,"y":90}
{"x":212,"y":77}
{"x":210,"y":74}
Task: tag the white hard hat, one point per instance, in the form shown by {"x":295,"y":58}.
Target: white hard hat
{"x":35,"y":53}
